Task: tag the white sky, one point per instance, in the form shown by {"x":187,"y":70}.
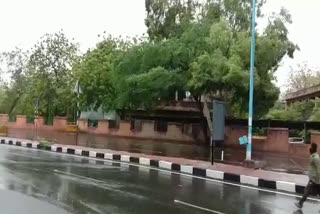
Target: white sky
{"x":23,"y":22}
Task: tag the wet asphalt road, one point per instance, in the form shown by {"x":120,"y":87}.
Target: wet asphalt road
{"x":34,"y":181}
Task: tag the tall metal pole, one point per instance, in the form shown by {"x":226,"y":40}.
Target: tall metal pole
{"x":78,"y":112}
{"x":252,"y":57}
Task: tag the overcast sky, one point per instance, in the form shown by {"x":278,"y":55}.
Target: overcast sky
{"x":23,"y":22}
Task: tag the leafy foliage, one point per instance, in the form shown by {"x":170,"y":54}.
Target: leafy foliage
{"x":43,"y":75}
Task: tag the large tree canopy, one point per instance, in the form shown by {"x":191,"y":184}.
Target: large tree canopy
{"x":209,"y":56}
{"x":41,"y":77}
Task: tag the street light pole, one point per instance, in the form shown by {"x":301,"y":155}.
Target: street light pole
{"x":252,"y":58}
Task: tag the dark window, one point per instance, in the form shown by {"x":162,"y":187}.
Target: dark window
{"x":135,"y":125}
{"x":132,"y":125}
{"x":113,"y":124}
{"x":161,"y":126}
{"x":30,"y":119}
{"x":12,"y":118}
{"x":93,"y":123}
{"x":187,"y":129}
{"x":49,"y":120}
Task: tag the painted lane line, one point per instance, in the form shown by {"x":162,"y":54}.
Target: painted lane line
{"x":79,"y":176}
{"x":197,"y":207}
{"x":101,"y":184}
{"x":90,"y":207}
{"x":7,"y":160}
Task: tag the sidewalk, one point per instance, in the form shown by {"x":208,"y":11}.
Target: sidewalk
{"x":293,"y":183}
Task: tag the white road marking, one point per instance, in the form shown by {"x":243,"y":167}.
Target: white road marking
{"x":267,"y":202}
{"x":90,"y":207}
{"x":197,"y":207}
{"x":7,"y":160}
{"x":79,"y":176}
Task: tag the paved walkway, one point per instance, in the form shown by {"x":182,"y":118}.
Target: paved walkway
{"x":263,"y":174}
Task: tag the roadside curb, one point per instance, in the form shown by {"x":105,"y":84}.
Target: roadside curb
{"x":174,"y":167}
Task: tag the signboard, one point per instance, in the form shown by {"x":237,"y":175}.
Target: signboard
{"x":219,"y":113}
{"x":243,"y":140}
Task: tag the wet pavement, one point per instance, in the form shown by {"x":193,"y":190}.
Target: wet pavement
{"x":274,"y":162}
{"x":47,"y":182}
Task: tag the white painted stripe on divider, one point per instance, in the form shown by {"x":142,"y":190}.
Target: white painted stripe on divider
{"x":165,"y":165}
{"x":144,"y":161}
{"x":14,"y":142}
{"x":125,"y":158}
{"x":78,"y":151}
{"x":24,"y":144}
{"x":244,"y":179}
{"x":215,"y":174}
{"x":35,"y":145}
{"x":286,"y":186}
{"x":92,"y":154}
{"x":53,"y":148}
{"x":186,"y":169}
{"x":64,"y":149}
{"x":108,"y":156}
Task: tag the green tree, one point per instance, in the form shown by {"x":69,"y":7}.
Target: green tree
{"x":169,"y":18}
{"x":14,"y":66}
{"x":95,"y":74}
{"x":50,"y":73}
{"x":295,"y":112}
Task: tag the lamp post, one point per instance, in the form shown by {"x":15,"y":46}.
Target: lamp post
{"x":252,"y":58}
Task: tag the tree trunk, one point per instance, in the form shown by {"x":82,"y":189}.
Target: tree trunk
{"x":203,"y":121}
{"x":14,"y":103}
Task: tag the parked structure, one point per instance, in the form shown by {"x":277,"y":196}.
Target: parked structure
{"x":312,"y":92}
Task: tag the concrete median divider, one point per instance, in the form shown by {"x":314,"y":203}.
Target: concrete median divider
{"x":190,"y":170}
{"x":215,"y":174}
{"x":108,"y":156}
{"x":125,"y":158}
{"x":249,"y":180}
{"x":186,"y":169}
{"x":286,"y":186}
{"x":144,"y":161}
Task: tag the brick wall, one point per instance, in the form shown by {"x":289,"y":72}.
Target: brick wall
{"x":174,"y":131}
{"x":275,"y":141}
